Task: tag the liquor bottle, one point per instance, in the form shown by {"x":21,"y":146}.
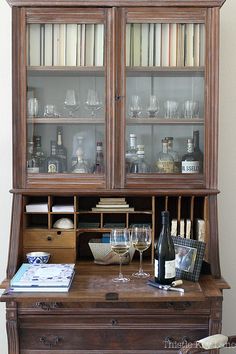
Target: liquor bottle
{"x":61,"y":149}
{"x":32,"y":162}
{"x":81,"y":165}
{"x":78,"y":149}
{"x":54,"y":162}
{"x":197,"y":149}
{"x":190,"y":162}
{"x":174,"y":154}
{"x":99,"y":161}
{"x":164,"y":271}
{"x":131,"y":153}
{"x":139,"y":165}
{"x":165,"y":162}
{"x":39,"y":153}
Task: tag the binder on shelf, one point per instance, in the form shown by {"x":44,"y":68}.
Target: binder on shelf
{"x":62,"y":45}
{"x":56,"y":45}
{"x":34,"y":44}
{"x":165,"y":36}
{"x":151,"y":45}
{"x":99,"y":45}
{"x":78,"y":46}
{"x":128,"y":44}
{"x":157,"y":58}
{"x":48,"y":45}
{"x":196,"y":44}
{"x":71,"y":44}
{"x":82,"y":45}
{"x":181,"y":44}
{"x":173,"y":44}
{"x":189,"y":60}
{"x":42,"y":44}
{"x":202,"y":45}
{"x":144,"y":44}
{"x":136,"y":44}
{"x":89,"y":45}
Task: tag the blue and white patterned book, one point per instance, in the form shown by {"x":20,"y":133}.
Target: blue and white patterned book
{"x":42,"y":277}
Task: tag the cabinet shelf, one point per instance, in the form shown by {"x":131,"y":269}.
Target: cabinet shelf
{"x":65,"y":120}
{"x":164,"y":121}
{"x":65,"y":70}
{"x":163,"y":69}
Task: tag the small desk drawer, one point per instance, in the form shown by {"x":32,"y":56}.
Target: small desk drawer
{"x":32,"y":238}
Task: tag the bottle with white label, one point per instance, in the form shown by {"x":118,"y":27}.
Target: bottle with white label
{"x":164,"y":271}
{"x":190,"y":162}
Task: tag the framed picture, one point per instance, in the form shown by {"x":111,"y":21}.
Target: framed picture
{"x":188,"y":258}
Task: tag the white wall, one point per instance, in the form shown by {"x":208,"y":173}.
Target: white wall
{"x":227,"y":156}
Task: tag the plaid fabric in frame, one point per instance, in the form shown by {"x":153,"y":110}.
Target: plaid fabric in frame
{"x":195,"y":249}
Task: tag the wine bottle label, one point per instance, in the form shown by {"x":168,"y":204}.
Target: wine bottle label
{"x":165,"y":166}
{"x":190,"y":167}
{"x":52,"y":168}
{"x":169,"y":269}
{"x":33,"y":169}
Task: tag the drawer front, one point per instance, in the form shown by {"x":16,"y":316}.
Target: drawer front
{"x":65,"y":255}
{"x":49,"y":239}
{"x":112,"y":333}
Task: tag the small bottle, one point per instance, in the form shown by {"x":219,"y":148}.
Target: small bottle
{"x":81,"y":166}
{"x":174,"y":154}
{"x":39,"y":153}
{"x":78,"y":149}
{"x":165,"y":162}
{"x":139,"y":164}
{"x":54,"y":162}
{"x":131,"y":154}
{"x":197,"y":150}
{"x":164,"y":271}
{"x":99,"y":161}
{"x":190,"y":162}
{"x":32,"y":161}
{"x":61,"y":149}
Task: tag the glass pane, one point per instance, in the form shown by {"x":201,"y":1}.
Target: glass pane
{"x":165,"y":97}
{"x":65,"y":98}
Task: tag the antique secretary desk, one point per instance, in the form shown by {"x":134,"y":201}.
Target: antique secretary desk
{"x":98,"y":85}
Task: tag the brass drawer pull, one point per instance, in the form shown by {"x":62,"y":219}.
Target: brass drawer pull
{"x":171,"y":342}
{"x":114,"y":322}
{"x":48,"y":306}
{"x":180,"y":306}
{"x":50,"y":341}
{"x":49,"y":238}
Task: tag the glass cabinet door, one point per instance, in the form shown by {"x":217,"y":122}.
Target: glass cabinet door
{"x":66,"y":98}
{"x":165,"y":99}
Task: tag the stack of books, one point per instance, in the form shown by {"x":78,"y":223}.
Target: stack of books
{"x":42,"y":278}
{"x":112,"y":204}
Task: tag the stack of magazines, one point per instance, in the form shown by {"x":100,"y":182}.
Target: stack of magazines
{"x":42,"y":278}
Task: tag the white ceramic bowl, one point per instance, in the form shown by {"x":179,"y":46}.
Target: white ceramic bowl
{"x":37,"y":257}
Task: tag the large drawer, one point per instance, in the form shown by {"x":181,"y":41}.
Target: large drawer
{"x":122,"y":333}
{"x":49,"y":239}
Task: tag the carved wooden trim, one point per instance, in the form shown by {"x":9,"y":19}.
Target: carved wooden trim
{"x":12,"y":328}
{"x":48,"y":306}
{"x":50,"y":341}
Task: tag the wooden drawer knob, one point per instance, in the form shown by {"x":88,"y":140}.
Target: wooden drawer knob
{"x":49,"y":238}
{"x":48,"y":306}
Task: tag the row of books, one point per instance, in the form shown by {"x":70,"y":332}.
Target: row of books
{"x":112,"y":204}
{"x":65,"y":44}
{"x":165,"y":44}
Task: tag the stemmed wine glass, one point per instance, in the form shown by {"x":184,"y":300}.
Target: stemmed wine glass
{"x":71,"y":102}
{"x":141,"y":240}
{"x":120,"y":241}
{"x":93,"y":102}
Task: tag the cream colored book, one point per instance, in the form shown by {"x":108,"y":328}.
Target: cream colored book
{"x":157,"y":49}
{"x":42,"y":44}
{"x":89,"y":45}
{"x":82,"y":43}
{"x":137,"y":43}
{"x":144,"y":44}
{"x":174,"y":225}
{"x":180,"y":44}
{"x":99,"y":45}
{"x":196,"y":44}
{"x":62,"y":45}
{"x":202,"y":45}
{"x":188,"y":228}
{"x":165,"y":46}
{"x":34,"y":44}
{"x":128,"y":44}
{"x":48,"y":45}
{"x":181,"y":228}
{"x":78,"y":45}
{"x":151,"y":45}
{"x":173,"y":44}
{"x":189,"y":28}
{"x":56,"y":45}
{"x":71,"y":44}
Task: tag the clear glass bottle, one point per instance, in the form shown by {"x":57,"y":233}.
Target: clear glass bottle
{"x":190,"y":162}
{"x":131,"y":153}
{"x":54,"y":162}
{"x":78,"y":149}
{"x":61,"y":149}
{"x":139,"y":165}
{"x":165,"y":162}
{"x":39,"y":153}
{"x":81,"y":165}
{"x":174,"y":154}
{"x":197,"y":150}
{"x":32,"y":161}
{"x":99,"y":161}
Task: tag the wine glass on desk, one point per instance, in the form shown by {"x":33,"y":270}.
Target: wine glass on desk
{"x":141,"y":239}
{"x":120,"y":241}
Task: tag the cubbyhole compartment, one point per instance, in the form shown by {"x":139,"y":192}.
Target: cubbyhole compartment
{"x":140,"y":203}
{"x":65,"y":204}
{"x":36,"y":204}
{"x":36,"y":221}
{"x":83,"y":249}
{"x":88,"y":221}
{"x":62,"y":222}
{"x":140,"y":219}
{"x":87,"y":203}
{"x":115,"y":220}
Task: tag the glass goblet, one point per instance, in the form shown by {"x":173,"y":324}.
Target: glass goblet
{"x":120,"y":241}
{"x":93,"y":103}
{"x":71,"y":102}
{"x":141,"y":240}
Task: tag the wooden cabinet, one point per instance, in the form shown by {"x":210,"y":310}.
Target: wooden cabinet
{"x":108,"y":98}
